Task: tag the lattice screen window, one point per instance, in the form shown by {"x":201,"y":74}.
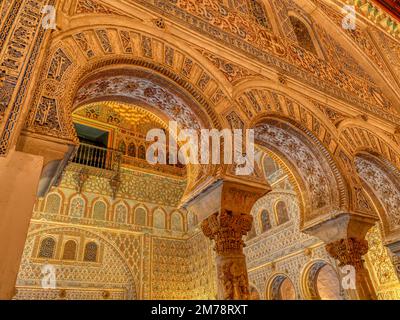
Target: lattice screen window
{"x":140,"y":217}
{"x":70,"y":249}
{"x":121,"y":213}
{"x":282,"y":213}
{"x":142,"y":152}
{"x":122,"y":146}
{"x":90,"y":253}
{"x":99,"y":211}
{"x":259,"y":13}
{"x":303,"y":35}
{"x":132,"y":150}
{"x":176,"y":222}
{"x":159,"y":219}
{"x":47,"y":248}
{"x":53,"y":203}
{"x":77,"y":208}
{"x":265,"y":221}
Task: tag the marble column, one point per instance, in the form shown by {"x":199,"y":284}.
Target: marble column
{"x":344,"y":236}
{"x":226,"y":227}
{"x":227,"y":230}
{"x":349,"y":252}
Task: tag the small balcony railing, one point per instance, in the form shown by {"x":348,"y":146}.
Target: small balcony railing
{"x":111,"y":160}
{"x":97,"y":157}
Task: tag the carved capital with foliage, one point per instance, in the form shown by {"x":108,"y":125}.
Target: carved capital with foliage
{"x":227,"y":229}
{"x":348,"y":251}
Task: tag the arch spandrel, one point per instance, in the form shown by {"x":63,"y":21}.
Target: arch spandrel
{"x":80,"y":50}
{"x":75,"y":57}
{"x":362,"y":136}
{"x":256,"y":98}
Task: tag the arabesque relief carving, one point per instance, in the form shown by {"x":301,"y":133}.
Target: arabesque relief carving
{"x":324,"y":104}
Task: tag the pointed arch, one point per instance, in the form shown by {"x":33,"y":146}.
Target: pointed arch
{"x":305,"y":35}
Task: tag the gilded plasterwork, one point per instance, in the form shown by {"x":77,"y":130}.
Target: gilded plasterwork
{"x":113,"y":226}
{"x":379,"y":258}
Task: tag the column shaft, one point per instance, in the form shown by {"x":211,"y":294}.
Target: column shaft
{"x":228,"y":229}
{"x":349,"y":252}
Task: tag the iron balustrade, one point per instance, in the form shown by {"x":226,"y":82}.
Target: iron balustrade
{"x":111,"y":160}
{"x":97,"y":157}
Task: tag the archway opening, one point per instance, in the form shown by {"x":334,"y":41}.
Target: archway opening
{"x":328,"y":284}
{"x":320,"y":183}
{"x":115,"y":134}
{"x":321,"y":282}
{"x":281,"y":288}
{"x":254,"y":294}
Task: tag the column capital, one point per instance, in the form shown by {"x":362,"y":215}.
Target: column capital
{"x":227,"y":229}
{"x":348,"y":251}
{"x":225,"y":211}
{"x":344,"y":237}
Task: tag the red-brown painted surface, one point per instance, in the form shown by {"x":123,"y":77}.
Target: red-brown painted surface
{"x":390,"y":6}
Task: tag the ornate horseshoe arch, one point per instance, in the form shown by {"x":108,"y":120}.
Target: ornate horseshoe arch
{"x":274,"y":284}
{"x":376,"y":161}
{"x":309,"y":278}
{"x":314,"y":168}
{"x":138,"y":56}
